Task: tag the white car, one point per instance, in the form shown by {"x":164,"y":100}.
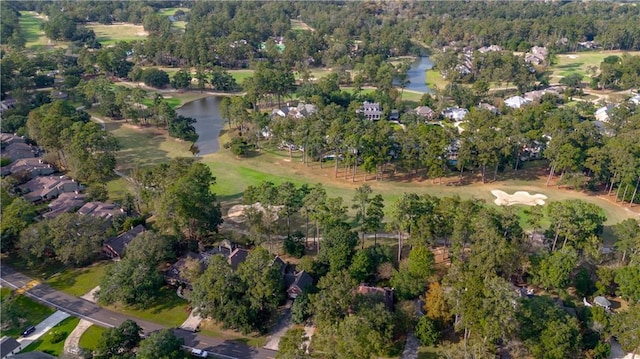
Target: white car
{"x":199,"y":353}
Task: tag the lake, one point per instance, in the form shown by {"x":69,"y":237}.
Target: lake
{"x":209,"y":122}
{"x":417,"y":75}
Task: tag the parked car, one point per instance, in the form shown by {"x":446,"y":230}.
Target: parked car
{"x":28,"y":331}
{"x":199,"y":353}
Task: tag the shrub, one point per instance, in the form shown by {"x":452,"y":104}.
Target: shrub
{"x":57,"y":337}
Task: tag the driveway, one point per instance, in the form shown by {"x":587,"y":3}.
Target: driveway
{"x":43,"y":327}
{"x":84,"y":309}
{"x":281,"y":327}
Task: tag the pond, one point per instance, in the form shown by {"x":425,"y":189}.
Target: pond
{"x":417,"y":75}
{"x":209,"y":122}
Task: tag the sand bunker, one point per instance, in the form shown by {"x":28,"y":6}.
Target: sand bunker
{"x":519,"y":197}
{"x":237,"y":213}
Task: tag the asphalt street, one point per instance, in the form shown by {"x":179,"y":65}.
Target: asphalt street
{"x":84,"y":309}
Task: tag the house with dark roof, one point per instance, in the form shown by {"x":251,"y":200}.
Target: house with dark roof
{"x":297,"y":283}
{"x":65,"y":203}
{"x":236,"y":257}
{"x":174,"y":275}
{"x":115,"y":247}
{"x":8,"y":347}
{"x":18,"y":150}
{"x":385,"y":294}
{"x":426,"y":112}
{"x":31,"y":167}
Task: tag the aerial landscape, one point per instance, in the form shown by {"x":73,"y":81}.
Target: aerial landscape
{"x":320,"y":179}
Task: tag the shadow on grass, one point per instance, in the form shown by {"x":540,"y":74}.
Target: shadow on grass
{"x":573,"y":65}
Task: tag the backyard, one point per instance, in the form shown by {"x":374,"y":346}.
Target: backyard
{"x":79,"y":281}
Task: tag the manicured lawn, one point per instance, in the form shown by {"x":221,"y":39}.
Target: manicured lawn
{"x":110,"y":34}
{"x":435,"y":80}
{"x":297,"y":25}
{"x":79,"y":281}
{"x":167,"y":309}
{"x":427,"y":353}
{"x":90,"y":338}
{"x":30,"y":23}
{"x":240,"y":75}
{"x":172,"y":10}
{"x":146,"y":147}
{"x":45,"y":344}
{"x":172,"y":101}
{"x":214,"y":329}
{"x":29,"y":310}
{"x":579,"y":62}
{"x":117,"y":188}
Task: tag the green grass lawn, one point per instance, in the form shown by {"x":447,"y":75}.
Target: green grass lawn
{"x":240,"y":75}
{"x":30,"y":311}
{"x":167,"y":309}
{"x":117,"y":188}
{"x":427,"y":353}
{"x":435,"y":80}
{"x":172,"y":10}
{"x":90,"y":338}
{"x":45,"y":344}
{"x":297,"y":25}
{"x":579,"y":62}
{"x":214,"y":329}
{"x":110,"y":34}
{"x":79,"y":281}
{"x":30,"y":23}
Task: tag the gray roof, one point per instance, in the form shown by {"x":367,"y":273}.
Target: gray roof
{"x":238,"y":256}
{"x":33,"y":355}
{"x":602,"y":301}
{"x":7,"y":345}
{"x":302,"y":280}
{"x":119,"y":243}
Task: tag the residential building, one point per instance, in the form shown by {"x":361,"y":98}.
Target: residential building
{"x":455,"y":113}
{"x":48,"y":187}
{"x":371,"y":111}
{"x":31,"y":167}
{"x":635,"y":99}
{"x":488,"y":107}
{"x":492,"y":48}
{"x":516,"y":101}
{"x":297,"y":283}
{"x":426,"y":112}
{"x":174,"y":275}
{"x":65,"y":203}
{"x":102,"y":210}
{"x":602,"y":302}
{"x":537,"y":55}
{"x":602,"y":113}
{"x":115,"y":247}
{"x":9,"y":347}
{"x":236,"y":257}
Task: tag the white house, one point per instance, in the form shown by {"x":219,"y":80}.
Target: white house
{"x":516,"y":101}
{"x":455,"y":113}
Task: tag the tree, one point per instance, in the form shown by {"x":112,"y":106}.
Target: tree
{"x":334,"y":298}
{"x":374,"y":216}
{"x":625,"y":328}
{"x":162,"y":344}
{"x":16,"y":216}
{"x":338,"y":242}
{"x":155,"y":78}
{"x":301,"y":308}
{"x":578,"y":222}
{"x":426,"y":331}
{"x":420,"y":263}
{"x":628,"y":280}
{"x":627,"y":234}
{"x":119,"y":342}
{"x":553,"y":271}
{"x":292,"y":344}
{"x":435,"y":304}
{"x":360,"y":202}
{"x":181,"y":79}
{"x":92,"y":151}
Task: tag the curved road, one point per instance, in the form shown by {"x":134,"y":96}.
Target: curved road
{"x":106,"y":318}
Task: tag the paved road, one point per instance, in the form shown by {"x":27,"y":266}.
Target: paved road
{"x":86,"y":310}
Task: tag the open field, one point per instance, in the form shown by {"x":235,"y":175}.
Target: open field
{"x":579,"y":62}
{"x":172,"y":10}
{"x":30,"y":23}
{"x":91,"y":337}
{"x":435,"y":80}
{"x":31,"y":311}
{"x":79,"y":281}
{"x":45,"y":344}
{"x":214,"y":329}
{"x":110,"y":34}
{"x":167,"y":309}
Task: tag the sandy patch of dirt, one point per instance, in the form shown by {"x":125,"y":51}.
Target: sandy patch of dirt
{"x":237,"y":213}
{"x":519,"y":197}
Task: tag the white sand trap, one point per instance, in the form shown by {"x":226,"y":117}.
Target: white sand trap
{"x":572,"y":56}
{"x":236,"y":213}
{"x":519,"y":197}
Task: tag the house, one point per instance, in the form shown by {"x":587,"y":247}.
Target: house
{"x":48,"y":187}
{"x":537,"y":55}
{"x":516,"y":101}
{"x":386,"y":294}
{"x":492,"y":48}
{"x":32,"y":167}
{"x":8,"y":347}
{"x":65,"y":203}
{"x":9,"y":138}
{"x":455,"y":113}
{"x":174,"y":275}
{"x":602,"y":114}
{"x":236,"y":257}
{"x":488,"y":107}
{"x":18,"y":150}
{"x":588,"y":45}
{"x":425,"y":111}
{"x":102,"y":210}
{"x":370,"y":110}
{"x":635,"y":99}
{"x":602,"y":302}
{"x":301,"y":111}
{"x":115,"y":247}
{"x":33,"y":355}
{"x":297,"y":283}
